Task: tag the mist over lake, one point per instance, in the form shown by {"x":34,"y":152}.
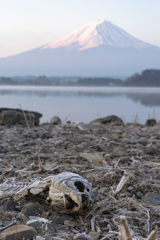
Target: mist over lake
{"x":84,"y":104}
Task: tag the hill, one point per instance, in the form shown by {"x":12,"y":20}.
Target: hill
{"x":148,"y":78}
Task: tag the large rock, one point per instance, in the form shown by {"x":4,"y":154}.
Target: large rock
{"x":9,"y":116}
{"x":18,"y":232}
{"x":150,"y":122}
{"x":55,"y":120}
{"x":110,"y":119}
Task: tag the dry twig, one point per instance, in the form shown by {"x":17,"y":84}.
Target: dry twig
{"x":122,"y":184}
{"x":126,"y":228}
{"x":24,"y":116}
{"x":153,"y":235}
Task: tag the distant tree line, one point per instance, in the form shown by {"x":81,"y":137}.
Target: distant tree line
{"x":7,"y":81}
{"x":41,"y":80}
{"x":148,"y":78}
{"x":99,"y":82}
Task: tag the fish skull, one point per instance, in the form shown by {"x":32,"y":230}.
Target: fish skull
{"x":70,"y":193}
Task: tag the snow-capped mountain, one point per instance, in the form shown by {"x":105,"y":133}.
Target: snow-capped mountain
{"x":95,"y":34}
{"x":98,"y":49}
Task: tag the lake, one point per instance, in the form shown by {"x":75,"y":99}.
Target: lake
{"x":84,"y":104}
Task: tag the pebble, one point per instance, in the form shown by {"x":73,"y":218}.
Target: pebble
{"x":93,"y":157}
{"x":102,"y":190}
{"x":35,"y":224}
{"x":46,"y":135}
{"x":94,"y":235}
{"x":40,"y":238}
{"x":130,"y":188}
{"x":55,"y":120}
{"x":139,"y":195}
{"x":152,"y":199}
{"x":11,"y":205}
{"x":31,"y":209}
{"x":59,"y":218}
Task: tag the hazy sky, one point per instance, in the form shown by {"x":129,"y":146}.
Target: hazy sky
{"x":27,"y":24}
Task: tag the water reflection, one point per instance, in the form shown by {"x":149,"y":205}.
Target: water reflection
{"x":58,"y":93}
{"x":84,"y":103}
{"x":146,"y":96}
{"x":146,"y":99}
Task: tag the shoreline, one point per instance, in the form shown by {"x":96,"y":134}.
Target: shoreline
{"x":100,"y":153}
{"x":78,"y":86}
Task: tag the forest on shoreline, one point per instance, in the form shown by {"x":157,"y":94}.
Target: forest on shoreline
{"x":147,"y":78}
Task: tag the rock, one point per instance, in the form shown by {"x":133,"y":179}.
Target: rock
{"x":59,"y":218}
{"x":139,"y":195}
{"x":81,"y":127}
{"x":53,"y":227}
{"x":11,"y":205}
{"x":10,"y":116}
{"x":134,"y":141}
{"x":12,"y":174}
{"x":98,"y":128}
{"x":110,"y":119}
{"x":40,"y":238}
{"x":130,"y":188}
{"x":21,"y":216}
{"x":93,"y":157}
{"x":152,"y":151}
{"x":35,"y":224}
{"x":27,"y":151}
{"x":119,"y":151}
{"x":124,"y":160}
{"x":18,"y":232}
{"x":151,"y":199}
{"x":150,"y":122}
{"x":94,"y":235}
{"x":115,"y":137}
{"x":102,"y":190}
{"x":55,"y":120}
{"x":127,"y":193}
{"x":48,"y":237}
{"x":46,"y":135}
{"x":31,"y":209}
{"x":10,"y":215}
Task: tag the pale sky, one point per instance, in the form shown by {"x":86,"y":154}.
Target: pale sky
{"x":28,"y":24}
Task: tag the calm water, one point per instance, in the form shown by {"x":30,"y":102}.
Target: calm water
{"x":83,"y":104}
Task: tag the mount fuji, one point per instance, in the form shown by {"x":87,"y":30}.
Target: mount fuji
{"x":98,"y":49}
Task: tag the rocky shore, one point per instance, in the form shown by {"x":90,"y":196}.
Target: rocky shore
{"x":105,"y":153}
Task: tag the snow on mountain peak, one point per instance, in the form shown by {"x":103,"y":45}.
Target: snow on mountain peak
{"x":97,"y":33}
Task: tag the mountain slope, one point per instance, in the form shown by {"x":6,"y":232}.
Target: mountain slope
{"x":95,"y":34}
{"x":97,"y":49}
